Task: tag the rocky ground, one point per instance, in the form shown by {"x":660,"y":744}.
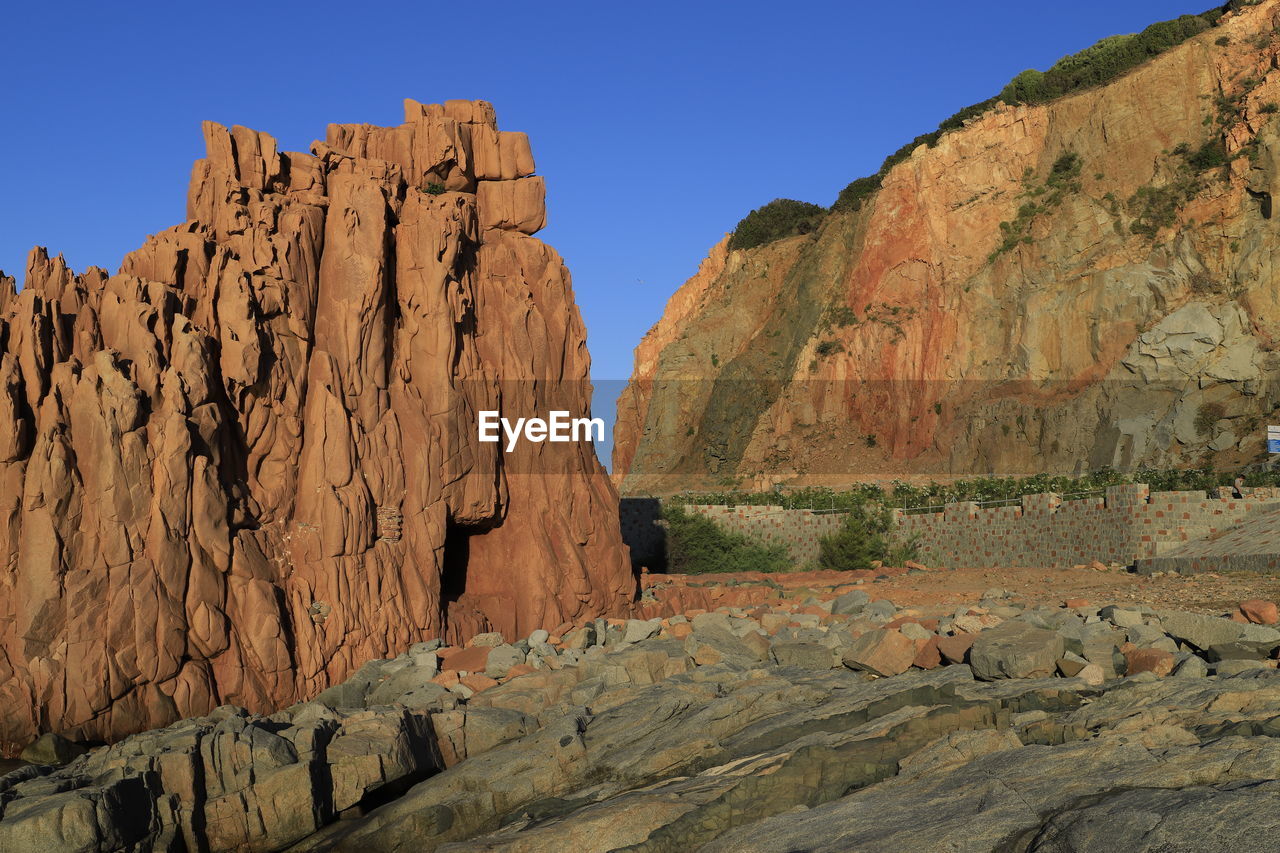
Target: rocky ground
{"x":831,"y":715}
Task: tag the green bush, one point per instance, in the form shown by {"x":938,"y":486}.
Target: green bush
{"x":1104,"y":61}
{"x":1153,"y":208}
{"x":982,"y":489}
{"x":697,"y":545}
{"x":828,"y":348}
{"x":1063,"y":178}
{"x":852,"y":196}
{"x":840,"y":316}
{"x":867,"y":535}
{"x":782,"y":217}
{"x":1213,"y":153}
{"x":1093,"y":66}
{"x":857,"y":192}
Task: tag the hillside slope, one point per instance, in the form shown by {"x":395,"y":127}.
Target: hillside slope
{"x":1063,"y":286}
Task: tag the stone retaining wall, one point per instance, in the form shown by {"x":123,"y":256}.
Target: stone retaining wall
{"x":1126,"y":524}
{"x":798,"y":529}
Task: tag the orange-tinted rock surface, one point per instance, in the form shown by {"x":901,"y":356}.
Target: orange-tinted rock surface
{"x":249,"y":462}
{"x":983,"y":313}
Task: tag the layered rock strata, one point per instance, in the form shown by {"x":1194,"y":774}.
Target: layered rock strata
{"x":248,"y":462}
{"x":1085,"y":283}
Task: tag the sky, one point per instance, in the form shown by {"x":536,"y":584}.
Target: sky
{"x":657,"y":125}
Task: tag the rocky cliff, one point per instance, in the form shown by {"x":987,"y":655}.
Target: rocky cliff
{"x":1059,"y":286}
{"x":248,"y":462}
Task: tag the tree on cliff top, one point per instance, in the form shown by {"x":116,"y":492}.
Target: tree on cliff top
{"x":782,"y":217}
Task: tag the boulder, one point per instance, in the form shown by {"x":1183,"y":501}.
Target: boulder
{"x":502,"y":659}
{"x":1259,"y":611}
{"x":1205,"y":631}
{"x":637,"y":630}
{"x":491,"y":639}
{"x":1191,"y":666}
{"x":849,"y":603}
{"x":1015,"y":650}
{"x":881,"y":611}
{"x":881,"y":652}
{"x":1121,"y":617}
{"x":956,"y":649}
{"x":927,"y":654}
{"x":1157,"y":661}
{"x":804,"y":655}
{"x":1237,"y":667}
{"x":51,"y":748}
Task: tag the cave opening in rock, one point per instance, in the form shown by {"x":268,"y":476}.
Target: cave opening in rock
{"x":1264,"y":202}
{"x":453,"y":569}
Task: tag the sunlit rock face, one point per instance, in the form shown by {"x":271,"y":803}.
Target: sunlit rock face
{"x":985,"y":312}
{"x":248,"y":462}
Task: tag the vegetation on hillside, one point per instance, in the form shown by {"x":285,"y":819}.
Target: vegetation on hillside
{"x":1104,"y":61}
{"x":1096,"y":65}
{"x":868,"y":535}
{"x":697,"y":545}
{"x":782,"y":217}
{"x":1063,"y":177}
{"x":984,"y":489}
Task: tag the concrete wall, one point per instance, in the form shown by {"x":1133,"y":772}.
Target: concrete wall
{"x":1127,"y":524}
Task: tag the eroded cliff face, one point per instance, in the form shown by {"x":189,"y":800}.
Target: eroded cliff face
{"x":249,"y":462}
{"x":1051,"y":288}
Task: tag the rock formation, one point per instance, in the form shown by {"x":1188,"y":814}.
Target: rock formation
{"x":1083,"y":283}
{"x":799,"y":724}
{"x":248,"y":462}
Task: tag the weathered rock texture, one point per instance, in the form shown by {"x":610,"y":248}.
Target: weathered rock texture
{"x":916,"y":335}
{"x":731,"y":730}
{"x":248,"y":462}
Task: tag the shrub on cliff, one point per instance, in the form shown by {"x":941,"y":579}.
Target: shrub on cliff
{"x":868,"y":534}
{"x":1094,"y":66}
{"x":697,"y":545}
{"x":852,"y":196}
{"x":1103,"y":61}
{"x":782,"y":217}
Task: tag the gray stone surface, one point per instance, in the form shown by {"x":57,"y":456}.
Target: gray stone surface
{"x":804,"y":655}
{"x":638,"y":630}
{"x":728,"y":740}
{"x":1204,"y":631}
{"x":850,"y":602}
{"x":501,"y":659}
{"x":52,"y":748}
{"x":1016,"y":650}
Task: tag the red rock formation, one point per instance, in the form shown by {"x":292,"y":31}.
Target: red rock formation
{"x":249,"y":462}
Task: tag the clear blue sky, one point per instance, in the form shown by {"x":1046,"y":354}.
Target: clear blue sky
{"x":657,"y":125}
